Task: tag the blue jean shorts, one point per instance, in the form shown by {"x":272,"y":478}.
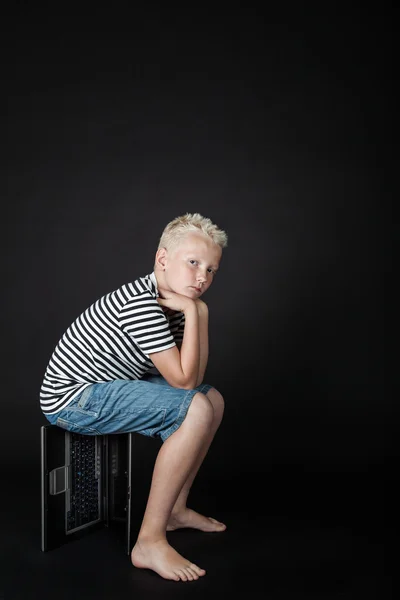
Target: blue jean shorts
{"x":149,"y":406}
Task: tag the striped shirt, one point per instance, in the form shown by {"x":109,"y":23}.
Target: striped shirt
{"x":112,"y":339}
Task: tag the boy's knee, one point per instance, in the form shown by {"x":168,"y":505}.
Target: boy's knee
{"x":217,"y":401}
{"x":201,"y":409}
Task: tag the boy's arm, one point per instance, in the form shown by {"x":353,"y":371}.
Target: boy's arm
{"x":203,"y":339}
{"x":181,"y":369}
{"x":202,"y":310}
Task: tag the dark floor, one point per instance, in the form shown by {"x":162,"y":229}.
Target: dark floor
{"x":285,"y":541}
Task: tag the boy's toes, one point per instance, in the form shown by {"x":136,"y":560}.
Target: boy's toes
{"x":218,"y":523}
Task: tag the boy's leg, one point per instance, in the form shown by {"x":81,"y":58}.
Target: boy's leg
{"x":181,"y":515}
{"x":174,"y":462}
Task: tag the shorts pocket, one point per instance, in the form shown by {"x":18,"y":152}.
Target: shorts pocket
{"x":82,"y":404}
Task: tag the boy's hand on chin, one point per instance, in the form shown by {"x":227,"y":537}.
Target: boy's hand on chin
{"x":173,"y":301}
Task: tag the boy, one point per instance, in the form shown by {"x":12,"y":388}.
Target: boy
{"x":98,"y":380}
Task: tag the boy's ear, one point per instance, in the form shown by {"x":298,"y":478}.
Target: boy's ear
{"x":161,"y":257}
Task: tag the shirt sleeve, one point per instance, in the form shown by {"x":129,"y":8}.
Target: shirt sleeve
{"x":178,"y":336}
{"x":177,"y":325}
{"x":143,"y":319}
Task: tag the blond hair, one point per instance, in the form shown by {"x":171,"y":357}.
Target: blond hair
{"x":179,"y":227}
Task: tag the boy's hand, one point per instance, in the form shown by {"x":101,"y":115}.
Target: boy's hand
{"x":175,"y":301}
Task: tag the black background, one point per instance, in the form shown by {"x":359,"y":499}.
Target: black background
{"x":272,"y":123}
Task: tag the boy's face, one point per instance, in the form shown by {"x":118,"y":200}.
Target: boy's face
{"x":189,"y":268}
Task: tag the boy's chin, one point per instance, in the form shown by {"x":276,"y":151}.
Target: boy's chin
{"x":193,"y":294}
{"x":189,"y":293}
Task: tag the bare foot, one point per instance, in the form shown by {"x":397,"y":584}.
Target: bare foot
{"x":164,"y":560}
{"x":193,"y":519}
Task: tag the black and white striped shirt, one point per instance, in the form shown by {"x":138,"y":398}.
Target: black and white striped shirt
{"x":110,"y":340}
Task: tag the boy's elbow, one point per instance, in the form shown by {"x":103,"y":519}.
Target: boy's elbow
{"x":182,"y":382}
{"x":189,"y":384}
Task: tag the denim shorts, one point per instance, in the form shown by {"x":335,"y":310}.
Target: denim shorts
{"x":149,"y":406}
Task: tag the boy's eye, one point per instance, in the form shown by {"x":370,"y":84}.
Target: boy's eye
{"x":210,"y":270}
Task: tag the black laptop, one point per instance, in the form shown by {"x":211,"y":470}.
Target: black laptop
{"x":87,"y":484}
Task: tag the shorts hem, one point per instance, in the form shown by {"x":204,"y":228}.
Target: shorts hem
{"x":184,"y":407}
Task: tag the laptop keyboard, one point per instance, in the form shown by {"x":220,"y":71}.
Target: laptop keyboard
{"x":83,"y":506}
